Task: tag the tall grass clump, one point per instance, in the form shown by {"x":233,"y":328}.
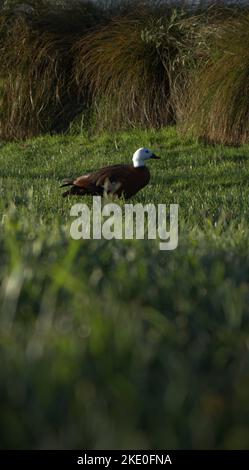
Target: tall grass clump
{"x":37,"y":91}
{"x":217,"y":102}
{"x":130,"y":64}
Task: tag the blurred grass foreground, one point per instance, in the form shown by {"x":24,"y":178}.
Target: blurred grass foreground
{"x":114,"y":344}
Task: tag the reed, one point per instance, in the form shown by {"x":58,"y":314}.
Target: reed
{"x":217,"y":97}
{"x":37,"y":91}
{"x":130,"y":64}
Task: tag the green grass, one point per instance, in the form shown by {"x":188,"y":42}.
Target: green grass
{"x":116,"y":344}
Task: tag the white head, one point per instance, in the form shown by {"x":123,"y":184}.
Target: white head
{"x":141,"y":155}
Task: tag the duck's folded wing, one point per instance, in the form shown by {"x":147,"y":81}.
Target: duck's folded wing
{"x":114,"y":180}
{"x":86,"y":184}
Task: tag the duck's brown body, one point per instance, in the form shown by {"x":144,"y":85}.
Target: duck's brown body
{"x":118,"y":180}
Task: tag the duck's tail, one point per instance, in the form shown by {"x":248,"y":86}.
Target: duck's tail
{"x":66,"y":182}
{"x":74,"y":190}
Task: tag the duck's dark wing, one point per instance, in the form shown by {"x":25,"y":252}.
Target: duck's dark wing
{"x":116,"y":180}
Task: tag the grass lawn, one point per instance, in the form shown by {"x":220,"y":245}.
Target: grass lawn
{"x":111,"y":344}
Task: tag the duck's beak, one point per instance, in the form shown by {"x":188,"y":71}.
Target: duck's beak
{"x":155,"y":157}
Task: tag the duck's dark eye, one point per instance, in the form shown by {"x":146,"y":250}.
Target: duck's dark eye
{"x":147,"y":151}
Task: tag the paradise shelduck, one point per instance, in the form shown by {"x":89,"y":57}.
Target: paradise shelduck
{"x":115,"y":180}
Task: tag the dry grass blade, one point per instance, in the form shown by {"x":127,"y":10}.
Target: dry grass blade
{"x":37,"y":93}
{"x":129,"y":66}
{"x":217,"y":102}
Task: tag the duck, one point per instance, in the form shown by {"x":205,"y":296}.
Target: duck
{"x":116,"y":180}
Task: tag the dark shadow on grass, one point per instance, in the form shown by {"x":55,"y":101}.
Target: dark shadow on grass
{"x":237,"y":158}
{"x":8,"y":174}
